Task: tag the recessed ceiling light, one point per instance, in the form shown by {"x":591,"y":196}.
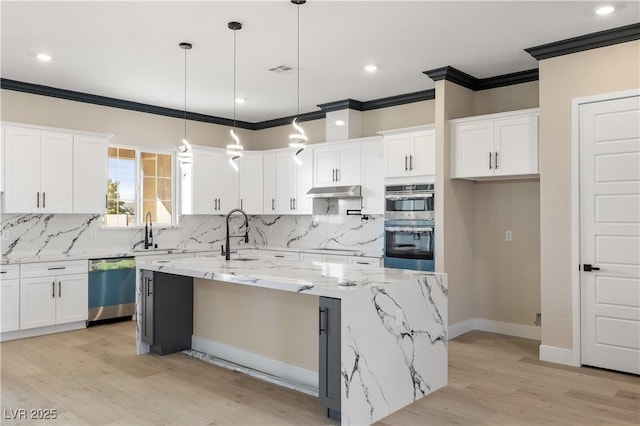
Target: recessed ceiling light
{"x":240,"y":100}
{"x":43,"y":57}
{"x":370,"y":68}
{"x":339,"y":123}
{"x":605,"y":10}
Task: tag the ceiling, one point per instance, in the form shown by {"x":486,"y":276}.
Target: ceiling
{"x":129,"y":50}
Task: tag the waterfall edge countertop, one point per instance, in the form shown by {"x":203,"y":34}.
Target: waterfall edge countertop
{"x":393,"y":324}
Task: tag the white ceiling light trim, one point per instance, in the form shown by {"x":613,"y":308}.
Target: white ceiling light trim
{"x":370,"y":68}
{"x":43,"y":57}
{"x":605,"y":10}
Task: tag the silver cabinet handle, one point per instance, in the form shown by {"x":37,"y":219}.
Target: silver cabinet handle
{"x":59,"y":288}
{"x":240,"y":203}
{"x":405,"y":164}
{"x":294,"y":203}
{"x":106,"y":201}
{"x":44,"y":200}
{"x":279,"y":255}
{"x":273,"y":204}
{"x":55,"y":268}
{"x":490,"y":158}
{"x":337,"y":175}
{"x":333,"y":175}
{"x":411,"y":162}
{"x":53,"y":290}
{"x":37,"y":199}
{"x":496,"y":160}
{"x":290,"y":203}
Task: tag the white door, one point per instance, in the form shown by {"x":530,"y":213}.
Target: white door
{"x":396,"y":155}
{"x":204,"y":196}
{"x":251,"y":183}
{"x":474,"y":149}
{"x":56,"y":165}
{"x":610,"y":233}
{"x":422,"y":160}
{"x":90,"y":175}
{"x":22,"y":170}
{"x":324,"y":166}
{"x":349,"y":167}
{"x":37,"y":302}
{"x":516,"y":147}
{"x":72,"y":298}
{"x":269,"y":183}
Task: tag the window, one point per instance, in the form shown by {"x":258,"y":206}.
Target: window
{"x":139,"y":182}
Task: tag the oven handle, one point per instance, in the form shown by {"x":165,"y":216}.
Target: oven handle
{"x":408,"y":197}
{"x":408,"y":229}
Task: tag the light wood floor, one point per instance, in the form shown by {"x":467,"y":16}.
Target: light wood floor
{"x":93,"y":376}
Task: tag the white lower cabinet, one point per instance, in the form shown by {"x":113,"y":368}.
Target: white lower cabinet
{"x":9,"y":298}
{"x":53,"y":293}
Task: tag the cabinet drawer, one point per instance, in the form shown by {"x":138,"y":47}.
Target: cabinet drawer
{"x":364,"y":261}
{"x":9,"y":271}
{"x":42,"y":269}
{"x":289,"y":255}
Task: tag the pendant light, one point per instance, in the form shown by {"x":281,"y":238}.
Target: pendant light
{"x":185,"y":46}
{"x":234,"y":149}
{"x":298,"y":138}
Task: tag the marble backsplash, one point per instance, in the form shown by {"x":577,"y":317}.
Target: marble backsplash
{"x":43,"y":235}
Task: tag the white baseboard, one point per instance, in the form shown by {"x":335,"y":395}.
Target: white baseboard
{"x":288,"y":372}
{"x":557,"y":355}
{"x":41,"y":331}
{"x":508,"y":328}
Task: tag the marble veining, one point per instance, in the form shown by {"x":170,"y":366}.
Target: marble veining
{"x":67,"y":235}
{"x":393,"y":324}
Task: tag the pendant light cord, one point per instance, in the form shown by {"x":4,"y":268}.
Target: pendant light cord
{"x":185,"y":94}
{"x":298,"y":62}
{"x":234,"y":80}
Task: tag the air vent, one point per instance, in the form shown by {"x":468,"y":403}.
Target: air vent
{"x":283,"y":69}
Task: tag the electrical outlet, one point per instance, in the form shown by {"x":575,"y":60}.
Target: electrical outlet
{"x":399,"y":317}
{"x":508,"y":236}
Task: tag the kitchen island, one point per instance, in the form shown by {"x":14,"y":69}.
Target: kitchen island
{"x":382,"y":332}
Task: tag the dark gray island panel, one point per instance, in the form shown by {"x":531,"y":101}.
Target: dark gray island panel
{"x":330,"y":359}
{"x":167,"y":311}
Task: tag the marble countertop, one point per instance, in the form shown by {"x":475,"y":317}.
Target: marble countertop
{"x":318,"y":278}
{"x":213,"y":248}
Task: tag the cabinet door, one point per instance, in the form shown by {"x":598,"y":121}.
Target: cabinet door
{"x":56,"y":165}
{"x":372,"y":178}
{"x":90,"y":174}
{"x":269,"y":183}
{"x":10,"y":304}
{"x":422,"y":160}
{"x":204,"y":183}
{"x":22,"y":170}
{"x":396,"y":155}
{"x":516,"y":146}
{"x":324,"y":166}
{"x":330,"y":358}
{"x":72,"y":298}
{"x":304,"y":182}
{"x":228,"y":184}
{"x":37,"y":302}
{"x":473,"y":143}
{"x":349,"y":166}
{"x":251,"y":183}
{"x":285,"y":182}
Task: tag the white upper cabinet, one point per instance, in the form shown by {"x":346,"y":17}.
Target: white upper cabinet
{"x":90,"y":175}
{"x":409,"y":152}
{"x":53,"y":171}
{"x":251,"y":177}
{"x":495,"y":145}
{"x":215,"y":183}
{"x":293,"y":179}
{"x":337,"y":165}
{"x":372,"y":178}
{"x":269,"y":183}
{"x":304,"y":182}
{"x":38,"y":171}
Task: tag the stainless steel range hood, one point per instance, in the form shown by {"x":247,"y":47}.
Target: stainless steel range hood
{"x":351,"y":191}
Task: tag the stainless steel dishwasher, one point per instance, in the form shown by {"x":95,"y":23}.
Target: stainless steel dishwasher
{"x":112,"y":287}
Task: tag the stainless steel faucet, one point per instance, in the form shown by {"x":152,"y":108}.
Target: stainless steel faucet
{"x":226,"y":251}
{"x":148,"y":232}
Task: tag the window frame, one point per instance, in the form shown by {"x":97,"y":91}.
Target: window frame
{"x":139,"y":216}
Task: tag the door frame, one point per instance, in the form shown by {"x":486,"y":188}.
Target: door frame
{"x":575,"y":212}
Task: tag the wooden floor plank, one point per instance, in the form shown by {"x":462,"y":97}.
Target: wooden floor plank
{"x":94,"y":377}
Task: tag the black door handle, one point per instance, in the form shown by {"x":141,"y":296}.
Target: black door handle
{"x":588,"y":268}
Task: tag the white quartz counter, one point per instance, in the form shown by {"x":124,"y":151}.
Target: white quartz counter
{"x":393,"y":323}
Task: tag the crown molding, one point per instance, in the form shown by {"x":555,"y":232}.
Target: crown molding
{"x":463,"y":79}
{"x":453,"y":75}
{"x":407,"y":98}
{"x":340,"y":105}
{"x":586,"y":42}
{"x":276,"y":122}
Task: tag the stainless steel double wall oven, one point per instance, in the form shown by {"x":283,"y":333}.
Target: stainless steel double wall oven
{"x":409,"y":227}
